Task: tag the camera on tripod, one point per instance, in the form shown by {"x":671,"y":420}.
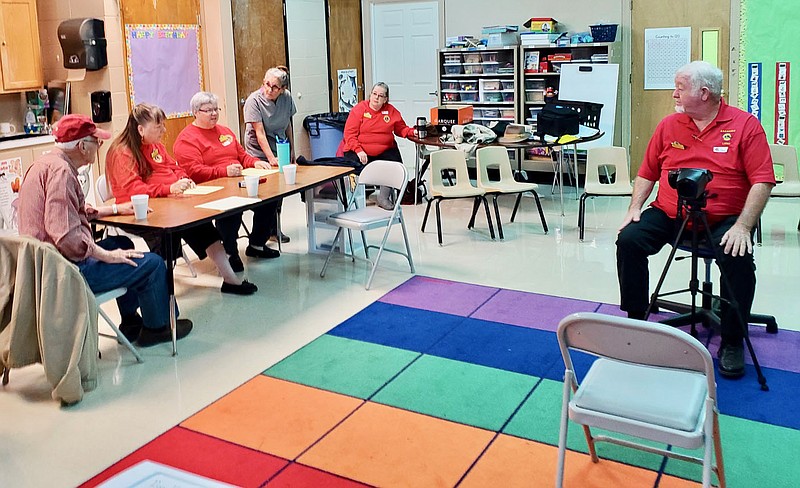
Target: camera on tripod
{"x":690,"y":183}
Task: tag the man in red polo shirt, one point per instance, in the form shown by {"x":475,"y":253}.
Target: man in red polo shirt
{"x":705,"y":133}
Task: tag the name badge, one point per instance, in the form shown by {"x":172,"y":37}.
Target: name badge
{"x":720,"y":149}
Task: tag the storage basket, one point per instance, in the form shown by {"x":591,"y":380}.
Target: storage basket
{"x":534,"y":96}
{"x":472,"y":57}
{"x":491,"y":113}
{"x":469,"y":96}
{"x":473,"y":69}
{"x":507,"y":113}
{"x":604,"y":32}
{"x":507,"y":85}
{"x":508,"y":96}
{"x":493,"y":97}
{"x":491,"y":84}
{"x":450,"y":97}
{"x":450,"y":85}
{"x":452,"y":69}
{"x":468,"y":85}
{"x":489,"y":57}
{"x":490,"y":68}
{"x":452,"y":58}
{"x":588,"y":112}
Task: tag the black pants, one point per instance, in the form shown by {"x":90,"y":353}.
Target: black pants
{"x":640,"y":240}
{"x":392,"y":154}
{"x":265,"y":224}
{"x":199,"y":238}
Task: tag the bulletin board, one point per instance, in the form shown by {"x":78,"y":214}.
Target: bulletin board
{"x":164,"y":66}
{"x":768,"y":39}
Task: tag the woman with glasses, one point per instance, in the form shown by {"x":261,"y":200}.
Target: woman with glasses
{"x":268,"y":114}
{"x":138,"y":163}
{"x":369,"y":134}
{"x":206,"y":150}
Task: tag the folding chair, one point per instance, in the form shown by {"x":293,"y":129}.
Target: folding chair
{"x":379,"y":173}
{"x":118,"y":335}
{"x":649,"y":380}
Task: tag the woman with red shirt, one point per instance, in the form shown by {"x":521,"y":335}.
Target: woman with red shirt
{"x":369,"y":134}
{"x":207,"y":150}
{"x":138,"y":163}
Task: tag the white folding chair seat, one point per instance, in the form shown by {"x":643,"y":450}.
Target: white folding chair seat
{"x":378,"y":173}
{"x":104,"y":194}
{"x":453,"y":161}
{"x":649,"y":380}
{"x":612,"y":159}
{"x":497,"y":157}
{"x":118,"y":335}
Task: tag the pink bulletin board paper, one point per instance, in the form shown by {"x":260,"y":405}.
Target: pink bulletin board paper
{"x":164,"y":66}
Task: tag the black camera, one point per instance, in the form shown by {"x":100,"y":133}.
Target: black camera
{"x":690,"y":182}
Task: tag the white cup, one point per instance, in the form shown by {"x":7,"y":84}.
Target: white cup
{"x":251,"y":183}
{"x":290,"y":174}
{"x":7,"y":128}
{"x":140,"y":206}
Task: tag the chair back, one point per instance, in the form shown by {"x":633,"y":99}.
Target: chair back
{"x":786,"y":156}
{"x":102,"y":189}
{"x":85,"y":179}
{"x":493,"y":157}
{"x":634,"y":341}
{"x":450,"y":160}
{"x":384,"y":173}
{"x":615,"y":157}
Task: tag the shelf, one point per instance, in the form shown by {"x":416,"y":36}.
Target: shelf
{"x":473,"y":75}
{"x":535,"y":75}
{"x":508,"y":104}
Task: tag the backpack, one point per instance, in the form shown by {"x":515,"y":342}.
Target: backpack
{"x":408,"y":195}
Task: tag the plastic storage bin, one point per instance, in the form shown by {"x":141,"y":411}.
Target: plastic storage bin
{"x":508,"y":96}
{"x":489,"y":57}
{"x":534,"y":96}
{"x":453,"y":58}
{"x":473,"y":69}
{"x":491,"y":84}
{"x":469,"y":96}
{"x":452,"y":69}
{"x":468,"y":85}
{"x":534,"y":85}
{"x":507,"y":113}
{"x":507,"y":85}
{"x":472,"y":58}
{"x":450,"y":85}
{"x":325,"y":132}
{"x":604,"y":32}
{"x":493,"y":97}
{"x":450,"y":97}
{"x":491,"y":113}
{"x":491,"y":68}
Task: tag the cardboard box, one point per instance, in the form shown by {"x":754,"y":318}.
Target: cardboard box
{"x":502,"y":39}
{"x":542,"y":24}
{"x":451,"y":114}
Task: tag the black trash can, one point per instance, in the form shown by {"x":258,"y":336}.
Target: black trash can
{"x":325,"y":132}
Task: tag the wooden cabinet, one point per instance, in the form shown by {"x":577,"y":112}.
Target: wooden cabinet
{"x":486,"y":78}
{"x":20,"y":53}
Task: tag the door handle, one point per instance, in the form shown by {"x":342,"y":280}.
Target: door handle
{"x":434,"y":93}
{"x":241,"y":101}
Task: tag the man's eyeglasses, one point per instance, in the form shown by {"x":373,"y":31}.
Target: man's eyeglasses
{"x":209,"y":110}
{"x":269,"y":86}
{"x":97,"y":141}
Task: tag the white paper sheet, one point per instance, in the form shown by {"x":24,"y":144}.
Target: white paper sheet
{"x":202,"y":190}
{"x":148,"y":474}
{"x":228,"y":203}
{"x":258,"y":172}
{"x":665,"y":50}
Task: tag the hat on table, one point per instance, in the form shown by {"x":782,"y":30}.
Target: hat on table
{"x":514,"y":133}
{"x":74,"y":127}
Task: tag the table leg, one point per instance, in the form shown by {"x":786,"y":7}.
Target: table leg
{"x":561,"y":179}
{"x":167,"y":242}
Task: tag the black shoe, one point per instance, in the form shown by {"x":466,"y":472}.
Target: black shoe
{"x":265,"y":253}
{"x":246,"y":288}
{"x":131,"y":326}
{"x":731,"y":361}
{"x":151,"y":337}
{"x":284,"y":238}
{"x":236,"y":263}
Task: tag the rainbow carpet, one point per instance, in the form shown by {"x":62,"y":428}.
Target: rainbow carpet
{"x":441,"y":383}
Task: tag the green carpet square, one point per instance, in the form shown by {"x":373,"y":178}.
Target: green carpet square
{"x":755,"y":454}
{"x":462,"y":392}
{"x":539,"y":417}
{"x":342,"y":365}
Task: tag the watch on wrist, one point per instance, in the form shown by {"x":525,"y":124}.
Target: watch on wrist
{"x":114,"y":208}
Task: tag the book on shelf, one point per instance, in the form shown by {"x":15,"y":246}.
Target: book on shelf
{"x":531,"y":64}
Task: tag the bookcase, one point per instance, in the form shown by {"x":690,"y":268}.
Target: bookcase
{"x":486,"y":78}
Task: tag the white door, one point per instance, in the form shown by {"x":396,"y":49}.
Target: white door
{"x":405,"y":36}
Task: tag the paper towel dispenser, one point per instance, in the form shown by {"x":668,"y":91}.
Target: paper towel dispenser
{"x":83,"y":42}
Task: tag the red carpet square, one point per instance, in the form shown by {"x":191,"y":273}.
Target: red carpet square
{"x":202,"y":455}
{"x":298,"y":476}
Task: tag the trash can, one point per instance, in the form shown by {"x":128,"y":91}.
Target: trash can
{"x":325,"y":132}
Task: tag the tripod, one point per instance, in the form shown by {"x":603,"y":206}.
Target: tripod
{"x":695,"y":215}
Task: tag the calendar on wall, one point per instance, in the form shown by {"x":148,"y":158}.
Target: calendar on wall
{"x":665,"y":50}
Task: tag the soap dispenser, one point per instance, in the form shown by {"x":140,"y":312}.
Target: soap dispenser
{"x":30,"y":121}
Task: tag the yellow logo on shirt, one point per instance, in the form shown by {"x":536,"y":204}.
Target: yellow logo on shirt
{"x":225,"y":139}
{"x":155,"y":156}
{"x":677,"y":145}
{"x":727,"y":136}
{"x":386,"y":119}
{"x":367,"y":115}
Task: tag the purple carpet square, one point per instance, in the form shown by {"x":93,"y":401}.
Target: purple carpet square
{"x":615,"y":311}
{"x":531,"y":309}
{"x":438,"y":295}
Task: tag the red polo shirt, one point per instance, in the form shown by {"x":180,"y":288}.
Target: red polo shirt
{"x":126,"y":181}
{"x":205,"y":154}
{"x":733,"y":147}
{"x":373,"y":132}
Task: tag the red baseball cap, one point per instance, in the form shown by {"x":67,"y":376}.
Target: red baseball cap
{"x":76,"y":126}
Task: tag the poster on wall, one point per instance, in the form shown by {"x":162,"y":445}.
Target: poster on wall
{"x":348,"y":89}
{"x":10,"y":181}
{"x":164,"y":66}
{"x":781,"y":103}
{"x":665,"y":50}
{"x":754,"y":89}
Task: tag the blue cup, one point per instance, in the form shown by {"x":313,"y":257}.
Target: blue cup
{"x":283,"y":155}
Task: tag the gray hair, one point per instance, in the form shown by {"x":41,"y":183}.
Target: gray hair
{"x":702,"y":74}
{"x":280,"y":75}
{"x":201,"y":98}
{"x":71,"y":145}
{"x":384,"y":86}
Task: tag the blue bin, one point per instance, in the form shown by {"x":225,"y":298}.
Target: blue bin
{"x":325,"y":132}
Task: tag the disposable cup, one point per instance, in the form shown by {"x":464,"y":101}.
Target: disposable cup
{"x":251,"y":183}
{"x":140,"y":206}
{"x":290,"y":174}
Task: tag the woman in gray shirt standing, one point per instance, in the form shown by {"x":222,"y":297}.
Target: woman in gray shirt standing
{"x":268,"y":115}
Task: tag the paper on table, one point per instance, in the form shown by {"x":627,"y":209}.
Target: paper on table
{"x":202,"y":190}
{"x":258,"y":172}
{"x":228,"y":203}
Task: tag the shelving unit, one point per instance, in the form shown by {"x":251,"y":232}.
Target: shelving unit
{"x":486,"y":78}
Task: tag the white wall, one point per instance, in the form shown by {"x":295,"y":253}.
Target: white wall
{"x":308,"y":64}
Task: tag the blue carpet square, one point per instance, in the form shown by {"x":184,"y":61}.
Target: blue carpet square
{"x":743,"y":398}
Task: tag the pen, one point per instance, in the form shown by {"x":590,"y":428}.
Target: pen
{"x":263,"y":179}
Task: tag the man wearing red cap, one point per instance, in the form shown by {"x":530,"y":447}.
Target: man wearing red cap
{"x":52,"y":209}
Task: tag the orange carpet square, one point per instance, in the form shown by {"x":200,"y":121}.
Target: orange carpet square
{"x":273,"y":416}
{"x":511,"y":462}
{"x":386,"y":446}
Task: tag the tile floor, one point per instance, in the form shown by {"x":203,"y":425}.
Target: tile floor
{"x":235,"y":338}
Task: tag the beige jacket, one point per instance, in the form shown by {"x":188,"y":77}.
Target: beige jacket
{"x":48,"y":315}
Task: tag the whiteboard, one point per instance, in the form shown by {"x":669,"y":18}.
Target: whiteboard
{"x":595,"y":83}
